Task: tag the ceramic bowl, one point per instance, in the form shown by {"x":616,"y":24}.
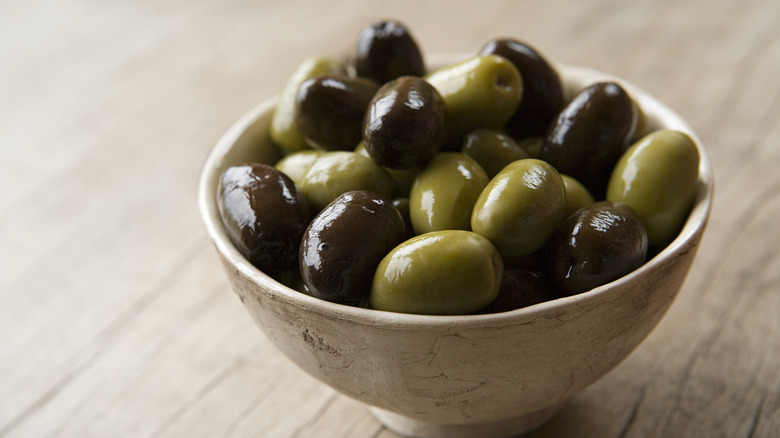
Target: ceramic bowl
{"x":481,"y":376}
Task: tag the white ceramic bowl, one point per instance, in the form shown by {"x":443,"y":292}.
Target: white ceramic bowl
{"x":459,"y":376}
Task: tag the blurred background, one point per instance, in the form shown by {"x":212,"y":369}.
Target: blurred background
{"x":115,"y":316}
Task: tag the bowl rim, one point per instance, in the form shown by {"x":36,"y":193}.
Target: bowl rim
{"x":573,"y":77}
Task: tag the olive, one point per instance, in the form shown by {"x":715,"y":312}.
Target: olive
{"x":480,"y":92}
{"x":402,"y":205}
{"x":345,"y":242}
{"x":337,"y":172}
{"x":542,"y":89}
{"x":402,"y":178}
{"x":385,"y":50}
{"x":521,"y":288}
{"x":264,"y":215}
{"x":492,"y":149}
{"x":577,"y":196}
{"x":590,"y":134}
{"x":329,"y":110}
{"x":657,"y":178}
{"x":600,"y":243}
{"x":404,"y":123}
{"x":284,"y":131}
{"x":293,"y":280}
{"x":450,"y":272}
{"x":521,"y":207}
{"x":297,"y":164}
{"x":444,"y":193}
{"x":532,"y":145}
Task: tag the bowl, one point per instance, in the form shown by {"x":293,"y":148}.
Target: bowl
{"x":491,"y":375}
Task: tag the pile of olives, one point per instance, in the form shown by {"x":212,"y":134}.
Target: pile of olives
{"x":474,"y":188}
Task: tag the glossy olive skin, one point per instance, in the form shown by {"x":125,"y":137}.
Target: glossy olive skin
{"x":483,"y":91}
{"x":297,"y":164}
{"x":443,"y":194}
{"x":404,"y":123}
{"x":521,"y":207}
{"x":284,"y":131}
{"x":345,"y":242}
{"x":657,"y":178}
{"x":385,"y":50}
{"x":522,"y":288}
{"x":590,"y":134}
{"x":329,"y":110}
{"x":492,"y":149}
{"x":577,"y":196}
{"x":600,"y":243}
{"x":264,"y":215}
{"x":337,"y":172}
{"x":450,"y":272}
{"x":402,"y":205}
{"x":542,"y":89}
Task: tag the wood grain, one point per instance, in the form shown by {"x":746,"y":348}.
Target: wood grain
{"x":116,"y":319}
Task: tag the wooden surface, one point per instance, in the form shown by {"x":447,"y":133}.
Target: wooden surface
{"x":116,"y":318}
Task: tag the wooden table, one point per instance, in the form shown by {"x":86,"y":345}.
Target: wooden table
{"x":116,"y":318}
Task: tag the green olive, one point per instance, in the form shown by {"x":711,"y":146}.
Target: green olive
{"x":577,"y":196}
{"x":481,"y":92}
{"x":338,"y":172}
{"x":444,"y":192}
{"x":284,"y":131}
{"x":402,"y":178}
{"x":657,"y":178}
{"x":521,"y":207}
{"x":297,"y":164}
{"x":542,"y":89}
{"x":451,"y":272}
{"x":492,"y":149}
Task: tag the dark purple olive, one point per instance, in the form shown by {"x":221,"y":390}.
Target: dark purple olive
{"x":404,"y":123}
{"x":521,"y":288}
{"x":542,"y":89}
{"x":598,"y":244}
{"x":264,"y":215}
{"x":402,"y":205}
{"x":344,"y":244}
{"x":386,"y":50}
{"x":590,"y":134}
{"x":329,"y":110}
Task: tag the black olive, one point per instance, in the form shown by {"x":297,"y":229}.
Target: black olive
{"x":264,"y":215}
{"x":330,"y":108}
{"x":542,"y":89}
{"x":590,"y":134}
{"x":344,"y":244}
{"x":521,"y":288}
{"x":404,"y":123}
{"x":386,"y":50}
{"x":598,"y":244}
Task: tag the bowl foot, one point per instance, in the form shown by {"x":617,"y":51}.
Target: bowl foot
{"x":509,"y":427}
